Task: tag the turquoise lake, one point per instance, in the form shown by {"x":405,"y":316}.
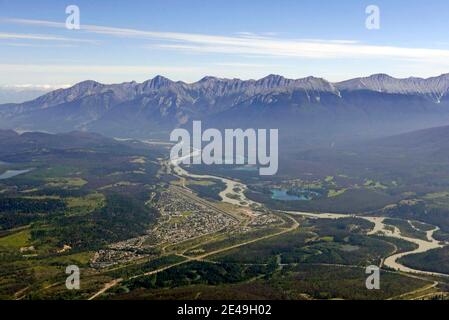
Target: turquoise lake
{"x":282,"y":195}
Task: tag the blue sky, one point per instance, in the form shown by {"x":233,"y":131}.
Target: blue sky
{"x":185,"y":40}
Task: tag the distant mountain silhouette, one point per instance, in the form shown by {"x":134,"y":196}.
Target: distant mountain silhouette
{"x":371,"y":106}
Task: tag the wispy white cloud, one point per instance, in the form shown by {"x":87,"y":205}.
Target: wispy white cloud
{"x":254,"y":35}
{"x":243,"y":65}
{"x":250,"y":44}
{"x":36,"y":45}
{"x":43,"y":87}
{"x":41,"y":37}
{"x":90,"y":69}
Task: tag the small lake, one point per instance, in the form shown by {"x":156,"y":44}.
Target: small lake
{"x":12,"y":173}
{"x":282,"y":195}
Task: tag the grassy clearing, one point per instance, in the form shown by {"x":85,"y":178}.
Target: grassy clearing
{"x":232,"y":239}
{"x":52,"y":172}
{"x":180,"y":218}
{"x":42,"y":197}
{"x":16,"y":240}
{"x":85,"y":205}
{"x":437,"y":199}
{"x":138,"y":160}
{"x":371,"y":184}
{"x":80,"y":259}
{"x":335,"y":193}
{"x":66,"y":182}
{"x":200,"y":182}
{"x":119,"y":184}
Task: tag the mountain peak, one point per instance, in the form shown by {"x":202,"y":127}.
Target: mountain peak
{"x":273,"y":81}
{"x":432,"y":88}
{"x":208,"y":79}
{"x":160,"y":78}
{"x":81,"y":89}
{"x":272,"y":77}
{"x":157,"y":82}
{"x":380,"y":76}
{"x":86,"y":84}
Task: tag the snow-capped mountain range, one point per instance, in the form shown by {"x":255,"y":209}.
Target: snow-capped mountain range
{"x":139,"y":109}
